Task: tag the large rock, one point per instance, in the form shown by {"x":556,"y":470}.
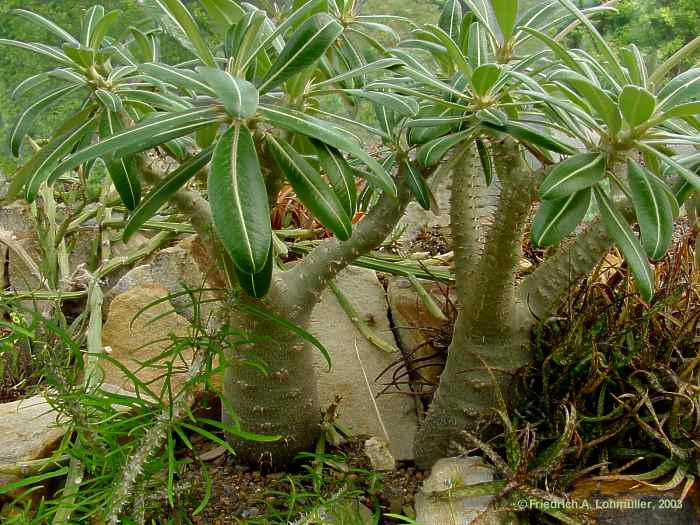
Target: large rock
{"x":29,"y":430}
{"x":422,"y":336}
{"x":334,"y":329}
{"x":455,"y":472}
{"x":133,"y":336}
{"x":174,"y":269}
{"x":625,"y":502}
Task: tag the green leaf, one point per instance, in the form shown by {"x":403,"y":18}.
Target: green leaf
{"x":29,"y":115}
{"x":574,"y":174}
{"x":82,"y":56}
{"x":484,"y":77}
{"x":506,"y":12}
{"x":431,"y":153}
{"x":92,"y":16}
{"x":182,"y":78}
{"x":238,"y":199}
{"x":239,"y":97}
{"x":311,"y":189}
{"x":451,"y":18}
{"x":102,"y":28}
{"x":653,"y":209}
{"x":377,"y":65}
{"x":154,"y":131}
{"x":223,"y":14}
{"x":635,"y":64}
{"x":559,"y":51}
{"x":340,"y":175}
{"x":109,"y":100}
{"x":636,"y":104}
{"x":178,"y":20}
{"x":599,"y":100}
{"x":532,"y":135}
{"x":306,"y":45}
{"x":160,"y":194}
{"x":123,"y":170}
{"x":46,"y":24}
{"x":684,"y":88}
{"x":689,"y":109}
{"x":416,"y":183}
{"x":41,"y":49}
{"x":298,"y":122}
{"x":622,"y":234}
{"x":30,"y":83}
{"x":556,"y":219}
{"x":690,"y":176}
{"x":486,"y":162}
{"x":50,"y":155}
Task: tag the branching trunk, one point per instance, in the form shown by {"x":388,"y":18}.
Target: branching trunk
{"x":490,"y":336}
{"x":284,"y":401}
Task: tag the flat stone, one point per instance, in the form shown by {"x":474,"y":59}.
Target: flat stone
{"x":29,"y":430}
{"x":417,"y":329}
{"x":339,"y":513}
{"x":337,"y":333}
{"x":147,"y":338}
{"x":460,"y":472}
{"x":624,"y":502}
{"x":174,"y":269}
{"x":377,"y":450}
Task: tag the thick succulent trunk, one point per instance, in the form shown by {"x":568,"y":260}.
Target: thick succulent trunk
{"x":491,"y":333}
{"x":269,"y":380}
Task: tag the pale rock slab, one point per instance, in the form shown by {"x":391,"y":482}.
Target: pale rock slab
{"x":29,"y":430}
{"x":333,"y":328}
{"x":459,"y":471}
{"x":146,"y":338}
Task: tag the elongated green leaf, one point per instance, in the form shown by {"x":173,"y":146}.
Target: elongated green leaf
{"x":51,"y":154}
{"x":556,"y":219}
{"x":298,"y":122}
{"x":165,"y":102}
{"x":399,"y":104}
{"x":38,"y":48}
{"x":684,"y":88}
{"x":46,"y":24}
{"x":636,"y":104}
{"x":239,"y":97}
{"x":574,"y":174}
{"x":532,"y":135}
{"x":223,"y":13}
{"x":635,"y":64}
{"x":238,"y":199}
{"x":486,"y":162}
{"x":102,"y":28}
{"x":178,"y":20}
{"x":257,"y":285}
{"x":110,"y":101}
{"x":416,"y":183}
{"x":431,"y":153}
{"x":159,"y":195}
{"x":27,"y":118}
{"x":622,"y":234}
{"x":90,"y":20}
{"x":690,"y":176}
{"x":506,"y":12}
{"x":454,"y":52}
{"x":82,"y":56}
{"x":340,"y":175}
{"x":377,"y":65}
{"x":29,"y":83}
{"x":689,"y":109}
{"x":477,"y":46}
{"x":311,"y":189}
{"x":653,"y":209}
{"x":451,"y":18}
{"x":155,"y":131}
{"x":484,"y":77}
{"x":599,"y":100}
{"x":306,"y":45}
{"x":122,"y":170}
{"x":603,"y":46}
{"x":183,"y":78}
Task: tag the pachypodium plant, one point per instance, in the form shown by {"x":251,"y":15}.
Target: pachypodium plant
{"x":533,"y":127}
{"x":247,"y":115}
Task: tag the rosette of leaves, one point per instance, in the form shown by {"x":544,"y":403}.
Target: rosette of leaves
{"x":600,"y":127}
{"x":249,"y":106}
